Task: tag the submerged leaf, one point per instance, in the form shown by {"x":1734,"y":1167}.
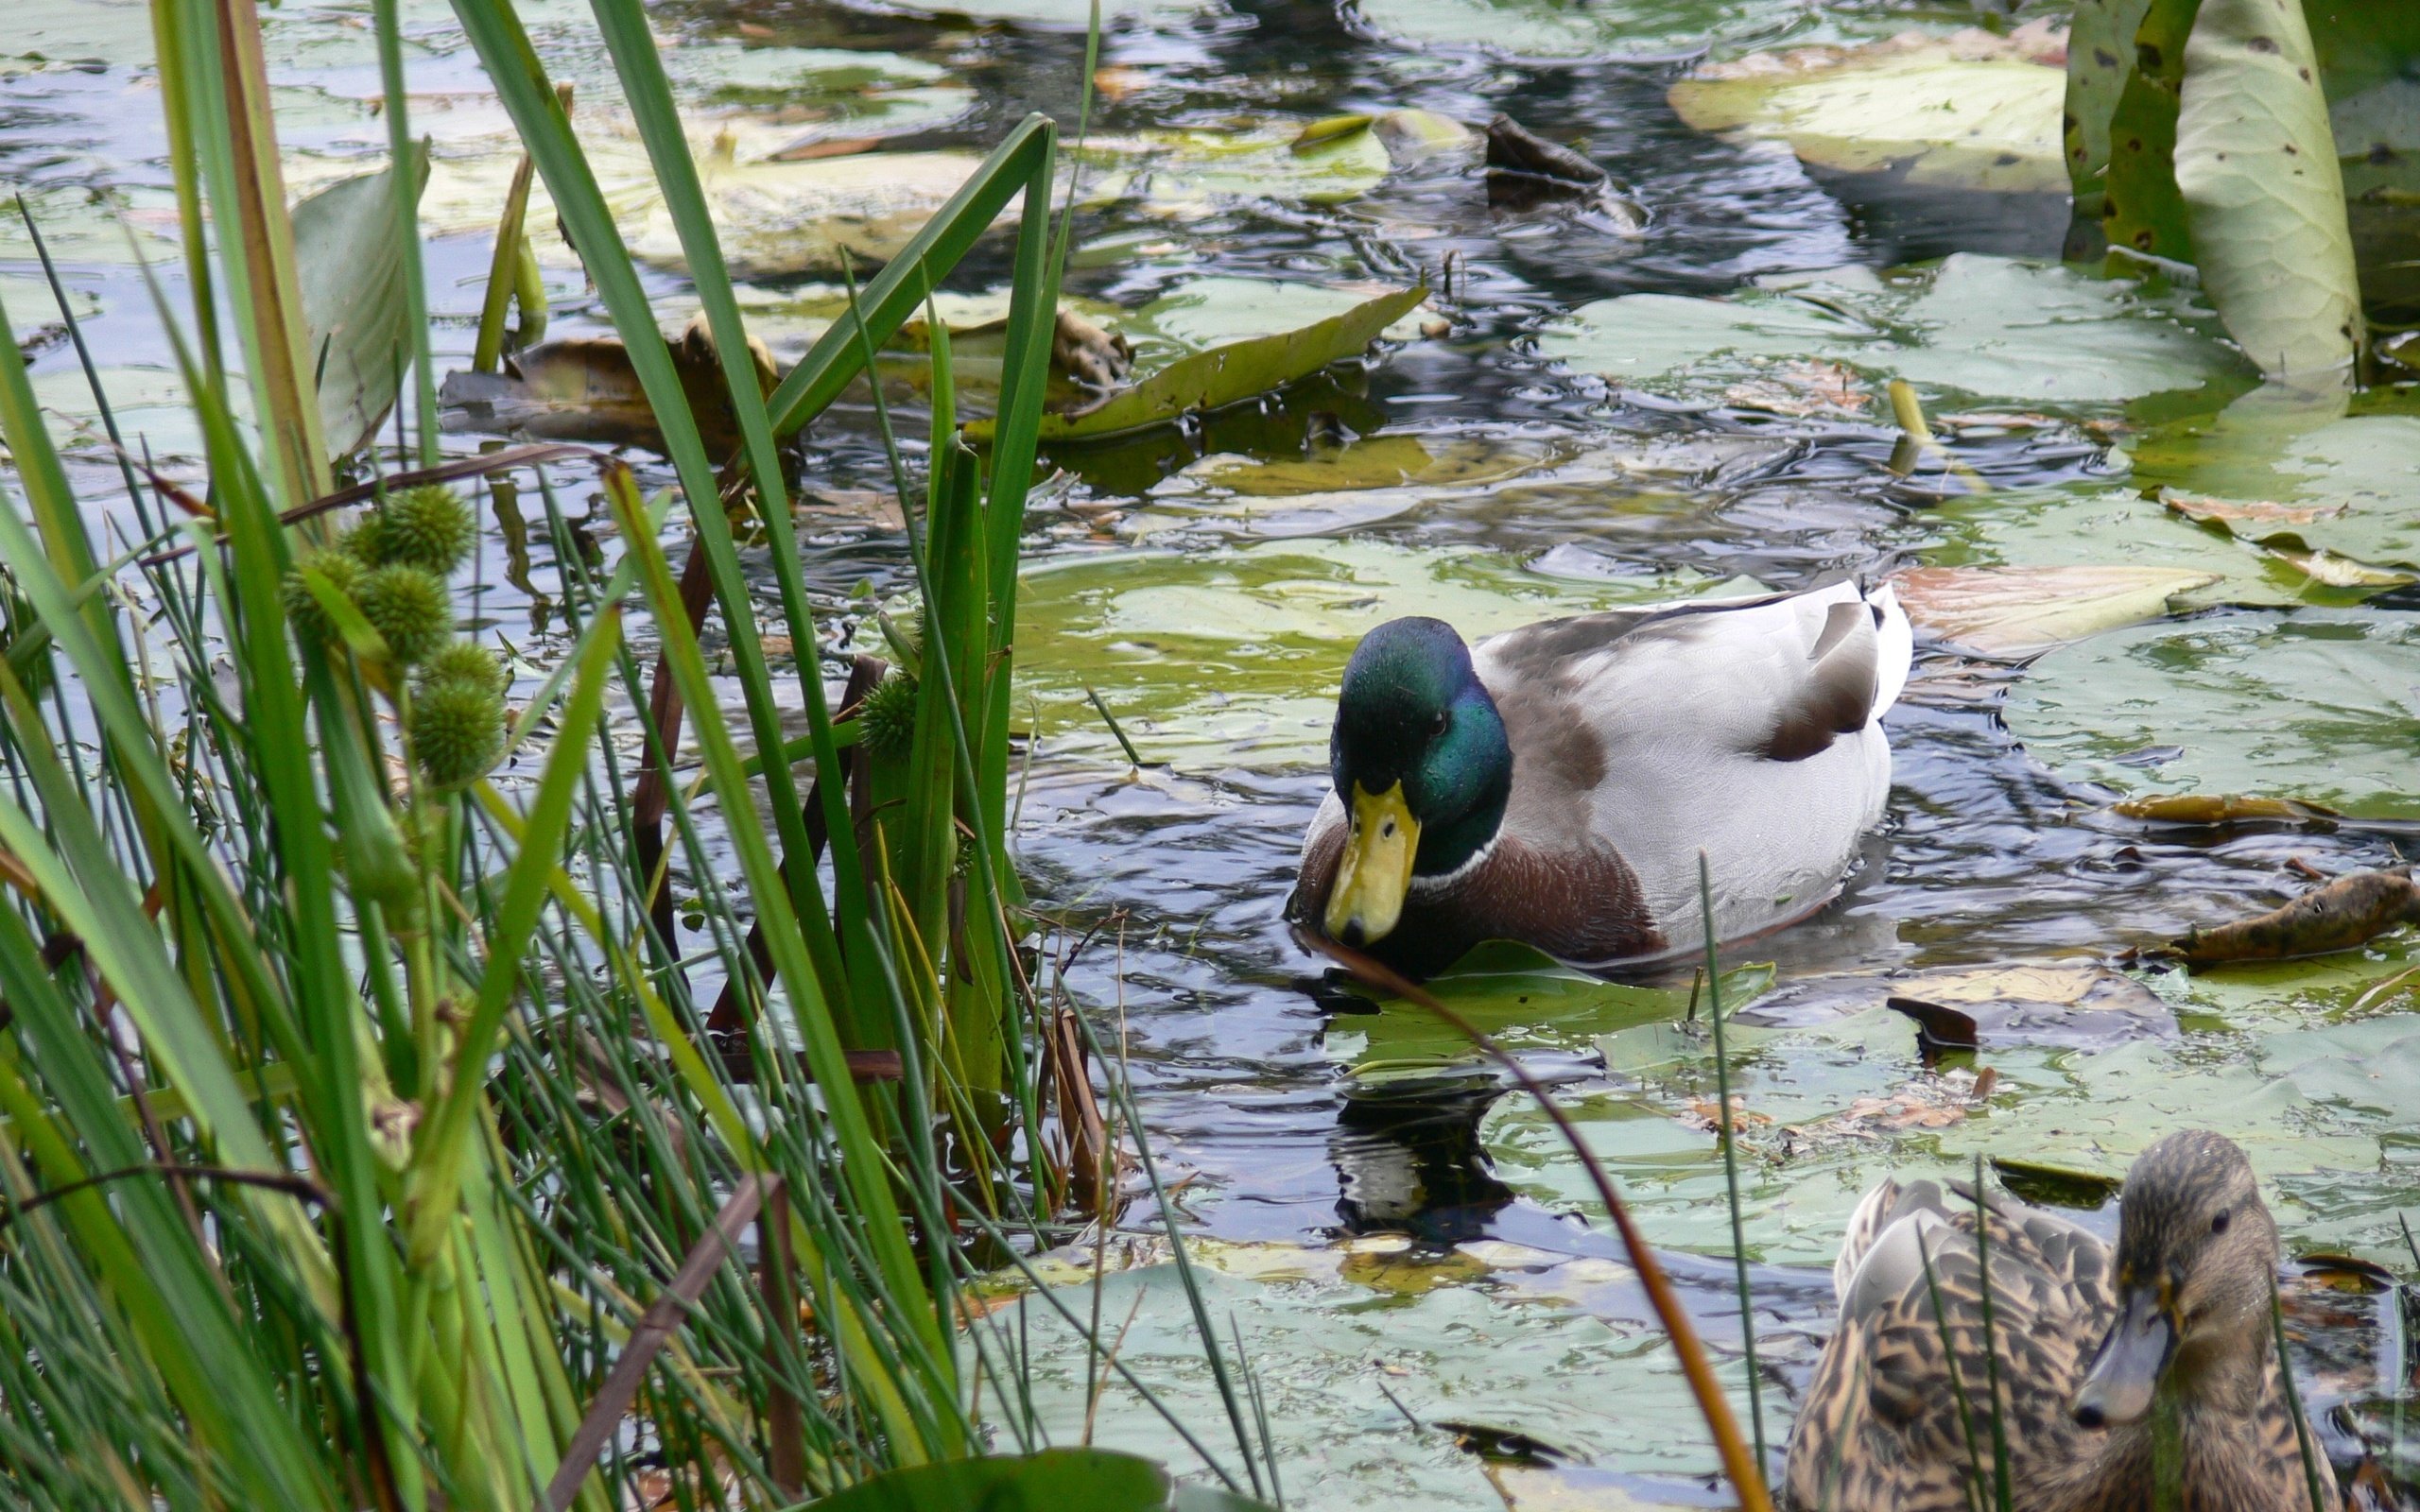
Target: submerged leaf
{"x":2063,"y":1186}
{"x":2340,"y":915}
{"x":2256,"y":162}
{"x":2020,"y":611}
{"x":2220,"y":808}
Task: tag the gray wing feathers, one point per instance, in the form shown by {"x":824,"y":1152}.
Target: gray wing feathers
{"x":1837,"y":695}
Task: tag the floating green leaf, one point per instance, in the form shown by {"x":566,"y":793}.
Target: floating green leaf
{"x":1233,"y":655}
{"x":1992,"y":327}
{"x":1054,"y":1479}
{"x":2319,"y":704}
{"x":348,"y":254}
{"x":2297,"y":471}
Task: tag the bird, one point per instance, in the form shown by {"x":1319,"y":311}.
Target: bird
{"x":2098,"y":1356}
{"x":1554,"y":784}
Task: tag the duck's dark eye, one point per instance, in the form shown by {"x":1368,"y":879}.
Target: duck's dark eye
{"x":2219,"y":1224}
{"x":1437,"y":726}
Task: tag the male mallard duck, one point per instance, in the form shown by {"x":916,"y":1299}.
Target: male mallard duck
{"x":1554,"y":784}
{"x":2097,"y":1355}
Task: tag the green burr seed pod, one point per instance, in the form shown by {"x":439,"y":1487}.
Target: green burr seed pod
{"x":410,"y":608}
{"x":340,"y":568}
{"x":428,"y":526}
{"x":463,"y":662}
{"x":457,"y":731}
{"x":890,"y":716}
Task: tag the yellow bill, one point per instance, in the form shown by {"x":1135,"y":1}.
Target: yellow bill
{"x":1375,"y":873}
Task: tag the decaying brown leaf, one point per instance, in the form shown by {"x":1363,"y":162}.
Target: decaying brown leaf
{"x":2205,"y":509}
{"x":1701,"y":1115}
{"x":585,"y":389}
{"x":2340,"y":915}
{"x":1800,"y":389}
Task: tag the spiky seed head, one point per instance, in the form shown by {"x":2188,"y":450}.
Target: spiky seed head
{"x":890,"y":716}
{"x":409,"y":606}
{"x":340,"y":568}
{"x":457,"y":731}
{"x":463,"y":662}
{"x":428,"y":526}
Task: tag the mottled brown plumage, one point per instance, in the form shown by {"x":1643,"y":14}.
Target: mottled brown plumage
{"x":1897,"y":1417}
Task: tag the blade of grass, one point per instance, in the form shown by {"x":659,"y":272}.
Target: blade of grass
{"x":1745,"y":1474}
{"x":1731,"y":1162}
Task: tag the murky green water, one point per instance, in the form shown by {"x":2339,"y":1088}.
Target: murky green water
{"x":1585,"y":429}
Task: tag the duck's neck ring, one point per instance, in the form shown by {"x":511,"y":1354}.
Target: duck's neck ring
{"x":1429,"y":882}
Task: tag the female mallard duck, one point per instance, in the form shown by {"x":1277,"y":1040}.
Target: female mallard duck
{"x":2098,"y":1356}
{"x":1554,"y":784}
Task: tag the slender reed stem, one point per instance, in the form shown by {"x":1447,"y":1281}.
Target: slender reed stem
{"x":1731,"y":1162}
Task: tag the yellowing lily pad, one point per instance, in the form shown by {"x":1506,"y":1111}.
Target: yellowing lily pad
{"x":1543,"y":29}
{"x":2019,"y":612}
{"x":1970,"y":111}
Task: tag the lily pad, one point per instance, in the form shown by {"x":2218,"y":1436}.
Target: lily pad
{"x":1068,"y":1480}
{"x":2018,"y":612}
{"x":2294,"y":470}
{"x":2323,"y":704}
{"x":1971,"y":110}
{"x":1337,"y":487}
{"x":1178,"y":172}
{"x":1231,"y":657}
{"x":1988,"y":327}
{"x":1541,"y":28}
{"x":2048,"y":1003}
{"x":1523,"y":1001}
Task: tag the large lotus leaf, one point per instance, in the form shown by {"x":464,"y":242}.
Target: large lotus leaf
{"x":348,"y":260}
{"x":1054,"y":1479}
{"x":1231,"y":657}
{"x":2100,"y":55}
{"x":1990,"y":327}
{"x":2256,"y":162}
{"x":1543,"y":29}
{"x":2140,"y":209}
{"x":1213,"y":379}
{"x":1967,"y":111}
{"x":2297,"y":471}
{"x":2319,"y":704}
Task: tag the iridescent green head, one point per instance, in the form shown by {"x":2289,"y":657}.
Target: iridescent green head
{"x":1421,"y":762}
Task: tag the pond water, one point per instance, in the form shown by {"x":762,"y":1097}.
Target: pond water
{"x":1571,"y":423}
